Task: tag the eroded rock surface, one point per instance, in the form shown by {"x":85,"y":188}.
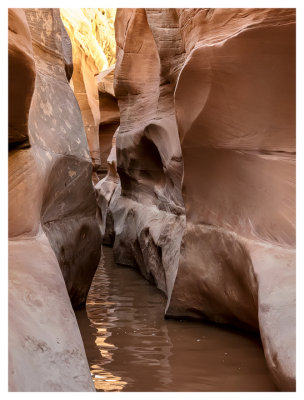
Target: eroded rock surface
{"x":215,"y":89}
{"x":52,"y":228}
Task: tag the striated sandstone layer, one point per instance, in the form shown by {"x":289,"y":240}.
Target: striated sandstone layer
{"x":92,"y":35}
{"x":213,"y":89}
{"x":54,"y":241}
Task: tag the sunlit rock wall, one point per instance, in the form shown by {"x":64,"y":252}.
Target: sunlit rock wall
{"x":215,"y":89}
{"x":92,"y":35}
{"x":54,"y":240}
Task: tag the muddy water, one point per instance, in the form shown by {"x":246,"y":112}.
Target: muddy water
{"x":131,"y":347}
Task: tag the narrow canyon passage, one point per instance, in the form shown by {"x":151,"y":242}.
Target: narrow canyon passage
{"x":167,"y":135}
{"x":131,"y":347}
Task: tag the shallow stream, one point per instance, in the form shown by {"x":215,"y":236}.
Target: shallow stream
{"x":131,"y":347}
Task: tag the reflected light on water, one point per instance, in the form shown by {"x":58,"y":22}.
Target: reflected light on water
{"x":105,"y":380}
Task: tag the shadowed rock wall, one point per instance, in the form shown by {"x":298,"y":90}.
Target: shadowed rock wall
{"x":213,"y":89}
{"x":52,"y":228}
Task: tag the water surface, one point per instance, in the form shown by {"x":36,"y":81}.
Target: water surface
{"x":131,"y":347}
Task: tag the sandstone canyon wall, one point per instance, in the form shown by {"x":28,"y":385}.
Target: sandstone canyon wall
{"x":109,"y":115}
{"x":54,"y":240}
{"x":238,"y":143}
{"x":147,"y":206}
{"x":205,"y":203}
{"x":92,"y":34}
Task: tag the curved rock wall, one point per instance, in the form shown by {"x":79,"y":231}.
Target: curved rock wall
{"x":52,"y":228}
{"x":215,"y":89}
{"x":238,"y":143}
{"x":56,"y":131}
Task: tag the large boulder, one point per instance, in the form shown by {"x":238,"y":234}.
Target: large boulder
{"x":213,"y":89}
{"x":54,"y":240}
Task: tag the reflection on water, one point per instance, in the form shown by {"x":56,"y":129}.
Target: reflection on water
{"x":131,"y":347}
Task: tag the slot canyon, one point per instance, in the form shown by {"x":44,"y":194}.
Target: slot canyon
{"x":152,"y":199}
